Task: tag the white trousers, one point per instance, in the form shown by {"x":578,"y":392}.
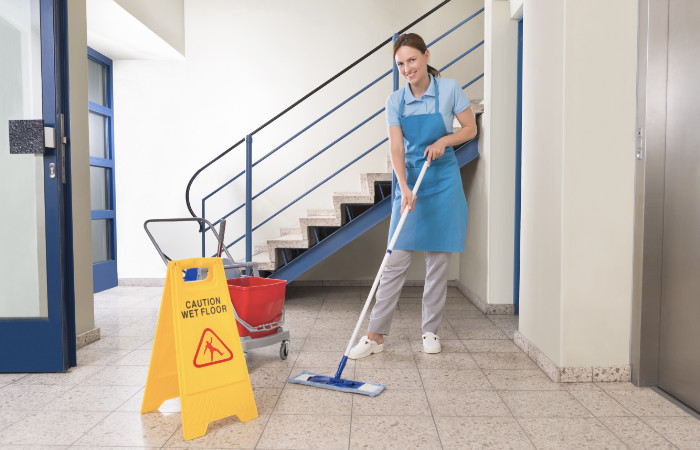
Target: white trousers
{"x":390,"y":284}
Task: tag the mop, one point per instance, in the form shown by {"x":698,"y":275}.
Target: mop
{"x":340,"y":384}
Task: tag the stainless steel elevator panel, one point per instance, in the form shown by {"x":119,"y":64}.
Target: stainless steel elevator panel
{"x":679,"y":352}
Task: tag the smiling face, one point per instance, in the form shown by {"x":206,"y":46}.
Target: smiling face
{"x":412,"y":64}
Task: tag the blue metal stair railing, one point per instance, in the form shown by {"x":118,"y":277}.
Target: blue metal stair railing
{"x":249,"y":141}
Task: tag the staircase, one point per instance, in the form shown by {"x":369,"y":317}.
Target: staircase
{"x":321,"y":233}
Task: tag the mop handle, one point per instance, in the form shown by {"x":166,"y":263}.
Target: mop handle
{"x":394,"y":237}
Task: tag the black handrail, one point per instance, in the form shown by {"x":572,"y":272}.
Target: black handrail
{"x":289,"y":108}
{"x":189,"y":184}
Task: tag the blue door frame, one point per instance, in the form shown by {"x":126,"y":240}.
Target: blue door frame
{"x":104,"y":273}
{"x":518,"y":160}
{"x":48,"y":344}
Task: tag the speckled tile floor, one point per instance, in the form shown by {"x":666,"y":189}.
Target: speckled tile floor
{"x":480,"y":392}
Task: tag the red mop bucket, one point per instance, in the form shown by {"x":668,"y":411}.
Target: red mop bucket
{"x":257,"y":301}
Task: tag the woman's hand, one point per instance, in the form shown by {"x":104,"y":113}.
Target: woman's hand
{"x":434,"y":151}
{"x":407,"y":198}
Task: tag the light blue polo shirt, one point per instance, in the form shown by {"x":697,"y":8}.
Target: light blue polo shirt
{"x":453,"y":101}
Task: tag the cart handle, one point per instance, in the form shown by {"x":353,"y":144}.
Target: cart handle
{"x":256,"y":329}
{"x":247,"y":265}
{"x":201,"y":221}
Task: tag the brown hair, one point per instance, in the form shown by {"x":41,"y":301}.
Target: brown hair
{"x":417,"y":42}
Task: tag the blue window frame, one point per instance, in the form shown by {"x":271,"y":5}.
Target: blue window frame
{"x":102,"y":195}
{"x":518,"y":164}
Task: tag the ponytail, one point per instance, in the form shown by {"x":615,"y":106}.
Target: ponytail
{"x":433,"y":71}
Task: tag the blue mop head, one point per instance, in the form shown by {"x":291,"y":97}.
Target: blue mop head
{"x":337,"y":384}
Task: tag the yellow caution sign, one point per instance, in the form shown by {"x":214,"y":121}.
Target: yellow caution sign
{"x":197,"y":353}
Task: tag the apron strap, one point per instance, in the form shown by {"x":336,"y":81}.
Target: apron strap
{"x":437,"y":95}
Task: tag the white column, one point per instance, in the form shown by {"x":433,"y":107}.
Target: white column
{"x":579,"y":104}
{"x":486,"y":267}
{"x":80,"y":167}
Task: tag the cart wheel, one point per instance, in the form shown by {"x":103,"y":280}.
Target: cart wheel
{"x":284,"y":350}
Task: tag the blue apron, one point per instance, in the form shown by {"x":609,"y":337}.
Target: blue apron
{"x":439,"y":220}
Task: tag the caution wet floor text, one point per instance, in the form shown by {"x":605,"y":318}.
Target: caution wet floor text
{"x":197,"y":353}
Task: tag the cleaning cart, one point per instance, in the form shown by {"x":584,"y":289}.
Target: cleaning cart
{"x":258,"y":303}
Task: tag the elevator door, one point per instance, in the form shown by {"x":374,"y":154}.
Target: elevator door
{"x":679,"y":363}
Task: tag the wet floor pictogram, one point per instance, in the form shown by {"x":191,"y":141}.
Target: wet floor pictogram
{"x":211,"y":350}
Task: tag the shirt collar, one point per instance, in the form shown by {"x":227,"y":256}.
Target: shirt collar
{"x":408,"y":95}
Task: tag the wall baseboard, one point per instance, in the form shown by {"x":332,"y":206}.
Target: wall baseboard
{"x":361,"y":283}
{"x":160,"y":282}
{"x":486,"y":308}
{"x":144,"y":282}
{"x":570,"y":374}
{"x":86,"y":338}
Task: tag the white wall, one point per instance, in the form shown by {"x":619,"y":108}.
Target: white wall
{"x":244,"y":63}
{"x":486,"y":267}
{"x":579,"y":83}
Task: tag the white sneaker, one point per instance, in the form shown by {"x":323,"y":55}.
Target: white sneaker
{"x":365,"y":348}
{"x":431,"y":343}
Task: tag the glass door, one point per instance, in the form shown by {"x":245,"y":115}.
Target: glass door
{"x":37,"y":327}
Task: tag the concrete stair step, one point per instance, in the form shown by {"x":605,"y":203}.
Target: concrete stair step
{"x":367,"y":180}
{"x":320,"y":212}
{"x":288,"y":241}
{"x":341,"y":198}
{"x":317,"y":221}
{"x":263,"y":260}
{"x":353,"y":197}
{"x":288,"y":231}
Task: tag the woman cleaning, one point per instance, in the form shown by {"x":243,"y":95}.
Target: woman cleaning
{"x":419,"y":118}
